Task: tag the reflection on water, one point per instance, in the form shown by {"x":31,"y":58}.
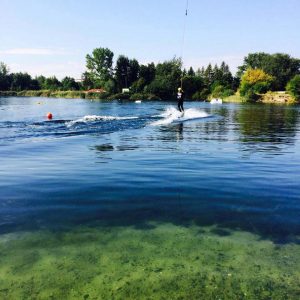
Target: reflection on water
{"x":179,"y":129}
{"x":109,"y":147}
{"x":172,"y":132}
{"x":104,"y":147}
{"x":268,"y":128}
{"x":270,"y":123}
{"x":255,"y":128}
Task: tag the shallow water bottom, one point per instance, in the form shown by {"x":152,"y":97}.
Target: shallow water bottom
{"x":158,"y":261}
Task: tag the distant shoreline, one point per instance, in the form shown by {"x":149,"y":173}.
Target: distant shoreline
{"x":78,"y":94}
{"x":270,"y":97}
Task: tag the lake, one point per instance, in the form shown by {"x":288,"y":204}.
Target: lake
{"x":123,"y":200}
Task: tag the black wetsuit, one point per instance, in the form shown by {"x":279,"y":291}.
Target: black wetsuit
{"x":180,"y":97}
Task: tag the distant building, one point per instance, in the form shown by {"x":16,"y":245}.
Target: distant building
{"x":99,"y":91}
{"x":126,"y":90}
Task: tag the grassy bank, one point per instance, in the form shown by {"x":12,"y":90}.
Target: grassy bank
{"x":45,"y":93}
{"x":78,"y":94}
{"x":236,"y":98}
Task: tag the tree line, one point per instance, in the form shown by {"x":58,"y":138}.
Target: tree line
{"x":259,"y":73}
{"x":23,"y":81}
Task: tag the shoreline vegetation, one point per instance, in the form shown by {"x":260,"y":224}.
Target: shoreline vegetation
{"x":263,"y":77}
{"x":78,"y":94}
{"x":268,"y":98}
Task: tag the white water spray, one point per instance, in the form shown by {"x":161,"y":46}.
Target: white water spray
{"x":171,"y":114}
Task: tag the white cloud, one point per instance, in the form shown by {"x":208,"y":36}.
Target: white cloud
{"x":34,"y":51}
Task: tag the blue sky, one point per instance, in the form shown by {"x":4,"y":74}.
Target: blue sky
{"x":52,"y":37}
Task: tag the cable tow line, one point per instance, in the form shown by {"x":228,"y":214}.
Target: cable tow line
{"x":183,"y":36}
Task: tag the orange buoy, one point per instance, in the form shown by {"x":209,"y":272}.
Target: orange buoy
{"x":49,"y":116}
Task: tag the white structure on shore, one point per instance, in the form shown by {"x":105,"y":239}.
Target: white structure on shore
{"x":216,"y":101}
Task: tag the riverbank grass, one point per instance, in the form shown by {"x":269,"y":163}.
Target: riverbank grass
{"x":236,"y":98}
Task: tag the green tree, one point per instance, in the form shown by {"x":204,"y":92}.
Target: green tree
{"x":21,"y":81}
{"x":126,"y":72}
{"x":258,"y":60}
{"x":99,"y":65}
{"x":162,"y":87}
{"x":235,"y":83}
{"x":52,"y":83}
{"x":226,"y":76}
{"x":69,"y":84}
{"x":122,"y":72}
{"x":192,"y":84}
{"x":110,"y":86}
{"x":216,"y":74}
{"x":221,"y":76}
{"x":220,"y":91}
{"x":134,"y":69}
{"x":41,"y":81}
{"x":201,"y":72}
{"x":146,"y":76}
{"x":208,"y":75}
{"x":147,"y":72}
{"x":4,"y":70}
{"x":293,"y":87}
{"x":4,"y":77}
{"x":139,"y":85}
{"x":281,"y":66}
{"x":191,"y":72}
{"x":87,"y":82}
{"x":254,"y":82}
{"x":201,"y":94}
{"x":167,"y":79}
{"x":34,"y":85}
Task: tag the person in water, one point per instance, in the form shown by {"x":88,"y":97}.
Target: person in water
{"x":180,"y":98}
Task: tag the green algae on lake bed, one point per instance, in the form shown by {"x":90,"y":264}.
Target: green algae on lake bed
{"x":160,"y":261}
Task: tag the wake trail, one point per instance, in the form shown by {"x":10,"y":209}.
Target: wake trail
{"x":95,"y":118}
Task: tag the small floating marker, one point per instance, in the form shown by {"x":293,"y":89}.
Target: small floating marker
{"x":138,"y":101}
{"x":49,"y":116}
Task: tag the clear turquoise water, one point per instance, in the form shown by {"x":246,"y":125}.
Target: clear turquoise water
{"x":131,"y":182}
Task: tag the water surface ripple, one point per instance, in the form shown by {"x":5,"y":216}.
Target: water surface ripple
{"x":122,"y":163}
